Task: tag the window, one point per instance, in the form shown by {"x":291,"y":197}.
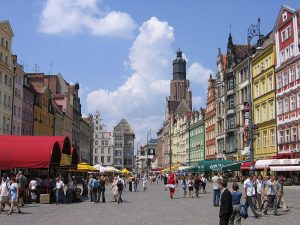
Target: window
{"x":284,"y":16}
{"x":281,"y":137}
{"x":286,"y":105}
{"x":270,"y":83}
{"x":96,"y":142}
{"x":0,"y":76}
{"x":257,"y":114}
{"x":282,"y":56}
{"x":264,"y":113}
{"x":108,"y":159}
{"x":102,"y":143}
{"x":256,"y":90}
{"x":293,"y":102}
{"x":273,"y":137}
{"x":96,"y":150}
{"x":231,"y":122}
{"x":292,"y":50}
{"x":102,"y":150}
{"x":106,"y":142}
{"x":96,"y":159}
{"x":96,"y":122}
{"x":287,"y":136}
{"x":265,"y":136}
{"x":230,"y":83}
{"x":287,"y":53}
{"x":298,"y":72}
{"x":263,"y":86}
{"x":267,"y":63}
{"x":292,"y":74}
{"x":258,"y":139}
{"x":272,"y":111}
{"x":102,"y":159}
{"x":231,"y":101}
{"x":294,"y":134}
{"x":5,"y":79}
{"x":279,"y":80}
{"x":285,"y":78}
{"x":108,"y":151}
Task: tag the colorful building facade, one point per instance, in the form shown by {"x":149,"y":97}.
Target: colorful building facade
{"x":264,"y":99}
{"x":287,"y":72}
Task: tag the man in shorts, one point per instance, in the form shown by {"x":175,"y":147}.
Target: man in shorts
{"x":4,"y":193}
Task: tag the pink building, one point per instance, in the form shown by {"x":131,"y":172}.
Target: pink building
{"x":17,"y":98}
{"x":288,"y":80}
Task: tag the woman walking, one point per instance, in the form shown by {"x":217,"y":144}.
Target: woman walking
{"x":235,"y":218}
{"x":203,"y":183}
{"x":183,"y":185}
{"x":171,"y":184}
{"x":14,"y":194}
{"x":191,"y":186}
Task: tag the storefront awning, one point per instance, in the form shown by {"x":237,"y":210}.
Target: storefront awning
{"x":232,"y":167}
{"x":28,"y":152}
{"x":265,"y":163}
{"x":285,"y":168}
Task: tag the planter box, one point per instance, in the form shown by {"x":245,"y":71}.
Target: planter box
{"x":44,"y":198}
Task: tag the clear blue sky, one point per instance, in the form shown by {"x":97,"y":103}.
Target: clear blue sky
{"x":96,"y":53}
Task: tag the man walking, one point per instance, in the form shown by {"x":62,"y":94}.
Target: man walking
{"x":120,"y":186}
{"x":216,"y":188}
{"x":249,"y":194}
{"x":21,"y":181}
{"x":226,"y":204}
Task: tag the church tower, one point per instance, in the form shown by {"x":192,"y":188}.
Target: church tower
{"x":179,"y":85}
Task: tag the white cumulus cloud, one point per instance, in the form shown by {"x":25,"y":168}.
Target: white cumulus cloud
{"x":198,"y":74}
{"x":141,"y":99}
{"x":74,"y":16}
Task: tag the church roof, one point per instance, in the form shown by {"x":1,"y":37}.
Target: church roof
{"x":182,"y":108}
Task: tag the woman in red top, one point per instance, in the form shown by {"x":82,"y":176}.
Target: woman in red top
{"x":171,"y":184}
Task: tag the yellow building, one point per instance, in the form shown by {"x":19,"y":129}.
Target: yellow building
{"x":43,"y":113}
{"x":264,"y":99}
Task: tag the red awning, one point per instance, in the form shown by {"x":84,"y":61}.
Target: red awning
{"x":245,"y":166}
{"x":29,"y":152}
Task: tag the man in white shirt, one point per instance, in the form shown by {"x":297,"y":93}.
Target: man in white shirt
{"x":216,"y":188}
{"x":249,"y":194}
{"x":271,"y":194}
{"x":32,"y":188}
{"x":59,"y":190}
{"x":4,"y":193}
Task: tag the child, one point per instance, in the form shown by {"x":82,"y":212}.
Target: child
{"x":144,"y":183}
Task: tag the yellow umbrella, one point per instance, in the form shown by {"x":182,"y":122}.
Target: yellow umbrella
{"x":83,"y":166}
{"x":125,"y":171}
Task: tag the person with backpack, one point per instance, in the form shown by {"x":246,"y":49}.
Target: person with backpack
{"x":102,"y":183}
{"x":235,"y":218}
{"x":120,"y":186}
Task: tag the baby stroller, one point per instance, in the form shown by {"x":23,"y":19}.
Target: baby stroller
{"x":77,"y":196}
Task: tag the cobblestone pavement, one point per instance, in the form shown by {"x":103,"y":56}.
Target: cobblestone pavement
{"x":140,"y":208}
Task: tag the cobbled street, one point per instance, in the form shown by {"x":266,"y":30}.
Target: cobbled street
{"x":152,"y":207}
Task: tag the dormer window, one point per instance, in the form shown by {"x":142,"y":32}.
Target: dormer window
{"x":284,"y":16}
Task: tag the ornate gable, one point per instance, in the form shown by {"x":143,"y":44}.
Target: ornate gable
{"x":285,"y":13}
{"x":6,"y":28}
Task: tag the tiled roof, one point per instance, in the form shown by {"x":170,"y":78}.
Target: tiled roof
{"x":241,"y":51}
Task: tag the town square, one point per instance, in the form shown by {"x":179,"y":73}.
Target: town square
{"x":149,"y":112}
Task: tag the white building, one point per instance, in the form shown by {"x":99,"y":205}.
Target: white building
{"x":103,"y":143}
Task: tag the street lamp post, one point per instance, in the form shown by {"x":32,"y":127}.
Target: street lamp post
{"x":253,"y":31}
{"x":189,"y":127}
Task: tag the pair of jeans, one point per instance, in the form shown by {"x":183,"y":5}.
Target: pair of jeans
{"x":101,"y":192}
{"x":216,"y":197}
{"x":271,"y":201}
{"x":120,"y":196}
{"x":59,"y":196}
{"x":235,"y":218}
{"x":249,"y":202}
{"x":259,"y":202}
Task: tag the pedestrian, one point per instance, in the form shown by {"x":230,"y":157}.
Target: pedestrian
{"x":144,"y":183}
{"x":184,"y":186}
{"x":191,"y":186}
{"x":120,"y":186}
{"x":203,"y":183}
{"x":70,"y":189}
{"x":235,"y":218}
{"x":114,"y":190}
{"x":95,"y":188}
{"x":197,"y":185}
{"x":271,"y":194}
{"x":33,"y":190}
{"x":278,"y":188}
{"x":102,"y":183}
{"x":249,"y":194}
{"x":259,"y":190}
{"x":4,"y":192}
{"x":226,"y":203}
{"x":90,"y":189}
{"x":14,"y":194}
{"x":59,"y":190}
{"x":22,"y":182}
{"x":216,"y":188}
{"x":172,"y":184}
